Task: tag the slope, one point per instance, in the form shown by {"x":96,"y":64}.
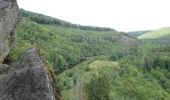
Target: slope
{"x":160,"y":36}
{"x":162,"y":32}
{"x":89,"y":52}
{"x":66,"y":46}
{"x":43,"y":19}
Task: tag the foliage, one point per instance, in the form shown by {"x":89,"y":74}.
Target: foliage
{"x":116,"y":56}
{"x":65,"y":47}
{"x":99,"y":63}
{"x":98,"y":88}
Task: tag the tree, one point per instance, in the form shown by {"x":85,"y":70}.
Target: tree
{"x":61,"y":61}
{"x":156,"y":62}
{"x":98,"y":88}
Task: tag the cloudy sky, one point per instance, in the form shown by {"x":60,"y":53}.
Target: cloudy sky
{"x":122,"y":15}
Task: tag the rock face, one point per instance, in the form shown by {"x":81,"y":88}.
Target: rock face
{"x":26,"y":79}
{"x":9,"y":13}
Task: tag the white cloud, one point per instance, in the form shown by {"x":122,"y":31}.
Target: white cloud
{"x":122,"y":15}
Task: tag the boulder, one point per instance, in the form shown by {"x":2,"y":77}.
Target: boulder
{"x":27,"y":79}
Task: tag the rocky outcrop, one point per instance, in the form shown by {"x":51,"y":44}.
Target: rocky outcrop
{"x":26,"y":79}
{"x":9,"y":15}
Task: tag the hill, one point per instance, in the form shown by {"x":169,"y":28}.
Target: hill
{"x":96,"y":63}
{"x":65,"y":44}
{"x":43,"y":19}
{"x":163,"y":32}
{"x":93,"y":62}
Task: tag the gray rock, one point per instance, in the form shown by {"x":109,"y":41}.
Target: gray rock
{"x":9,"y":13}
{"x":3,"y":68}
{"x":26,"y":79}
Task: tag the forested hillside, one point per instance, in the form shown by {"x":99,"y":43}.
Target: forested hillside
{"x":65,"y":46}
{"x":93,"y":63}
{"x":143,"y":75}
{"x":42,"y":19}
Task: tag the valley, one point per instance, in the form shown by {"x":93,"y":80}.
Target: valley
{"x":99,"y":62}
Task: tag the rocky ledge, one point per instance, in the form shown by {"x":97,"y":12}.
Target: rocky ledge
{"x":27,"y":78}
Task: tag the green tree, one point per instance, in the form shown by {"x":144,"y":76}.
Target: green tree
{"x":98,"y":88}
{"x":61,"y":61}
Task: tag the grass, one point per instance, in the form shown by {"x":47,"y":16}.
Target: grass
{"x":100,"y":64}
{"x":163,"y":32}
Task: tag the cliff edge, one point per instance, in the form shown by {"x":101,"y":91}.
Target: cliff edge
{"x":27,"y":78}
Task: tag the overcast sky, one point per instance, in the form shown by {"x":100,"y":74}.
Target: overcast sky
{"x":122,"y":15}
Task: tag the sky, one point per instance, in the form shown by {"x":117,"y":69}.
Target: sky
{"x":122,"y":15}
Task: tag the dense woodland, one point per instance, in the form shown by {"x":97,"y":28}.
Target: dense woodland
{"x":93,"y":63}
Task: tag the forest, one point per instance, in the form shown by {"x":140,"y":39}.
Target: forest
{"x":94,"y":63}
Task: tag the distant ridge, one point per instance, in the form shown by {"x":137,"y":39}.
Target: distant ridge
{"x":137,"y":33}
{"x":43,"y":19}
